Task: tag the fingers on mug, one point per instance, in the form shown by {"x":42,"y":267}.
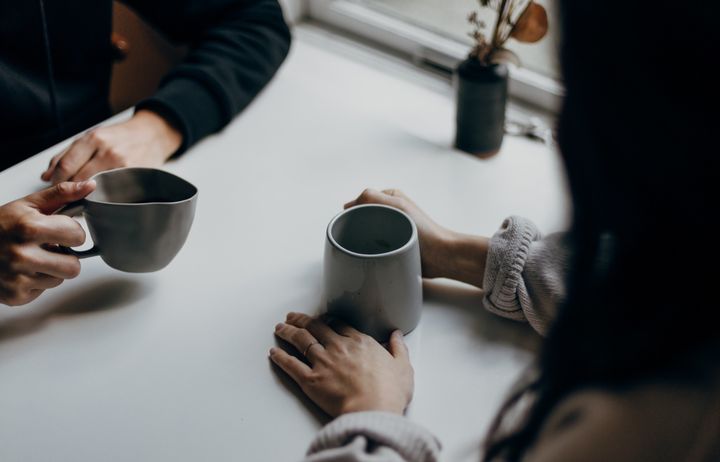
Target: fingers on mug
{"x":74,"y":209}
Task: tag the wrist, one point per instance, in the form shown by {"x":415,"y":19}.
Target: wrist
{"x":166,"y":136}
{"x":466,"y":256}
{"x":361,"y":405}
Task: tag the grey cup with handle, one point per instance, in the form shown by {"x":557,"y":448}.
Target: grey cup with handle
{"x":372,"y":272}
{"x":139,"y":218}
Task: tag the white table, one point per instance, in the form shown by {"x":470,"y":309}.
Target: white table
{"x":173,"y":365}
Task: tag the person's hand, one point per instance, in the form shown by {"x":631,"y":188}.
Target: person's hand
{"x":434,"y":239}
{"x":348,"y":371}
{"x":28,"y":236}
{"x":444,"y":253}
{"x":146,"y":140}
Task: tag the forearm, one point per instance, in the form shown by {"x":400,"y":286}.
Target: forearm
{"x":463,"y":258}
{"x":165,"y":135}
{"x":235,"y":49}
{"x":522,"y":273}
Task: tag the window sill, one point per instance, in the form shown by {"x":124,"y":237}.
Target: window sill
{"x":426,"y":48}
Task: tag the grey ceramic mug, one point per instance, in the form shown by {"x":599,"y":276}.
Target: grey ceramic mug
{"x":372,"y":272}
{"x":139,"y":218}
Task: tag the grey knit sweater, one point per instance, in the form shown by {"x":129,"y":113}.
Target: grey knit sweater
{"x":523,"y":281}
{"x":524,"y":273}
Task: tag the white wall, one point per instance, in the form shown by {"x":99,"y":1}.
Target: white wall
{"x":294,"y":10}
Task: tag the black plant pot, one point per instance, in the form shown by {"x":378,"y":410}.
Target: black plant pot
{"x":481,"y":100}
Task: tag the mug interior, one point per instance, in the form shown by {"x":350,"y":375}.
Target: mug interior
{"x":371,"y":230}
{"x":140,"y":186}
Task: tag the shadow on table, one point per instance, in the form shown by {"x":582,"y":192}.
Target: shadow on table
{"x":488,"y":326}
{"x":93,"y":297}
{"x":408,"y":141}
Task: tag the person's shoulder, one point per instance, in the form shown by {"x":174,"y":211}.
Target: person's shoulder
{"x":655,"y":421}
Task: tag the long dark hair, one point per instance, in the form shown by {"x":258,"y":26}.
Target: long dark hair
{"x":640,"y":136}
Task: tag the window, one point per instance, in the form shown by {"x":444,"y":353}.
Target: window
{"x":435,"y":32}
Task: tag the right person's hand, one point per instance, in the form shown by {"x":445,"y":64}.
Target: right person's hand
{"x":345,"y":370}
{"x":29,"y":235}
{"x":434,"y":239}
{"x":444,"y":253}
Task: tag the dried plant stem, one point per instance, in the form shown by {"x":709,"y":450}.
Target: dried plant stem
{"x":501,"y":14}
{"x":507,"y":24}
{"x":511,"y":21}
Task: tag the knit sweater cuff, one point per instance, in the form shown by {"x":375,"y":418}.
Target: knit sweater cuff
{"x":410,"y":441}
{"x":505,"y":292}
{"x":190,"y":107}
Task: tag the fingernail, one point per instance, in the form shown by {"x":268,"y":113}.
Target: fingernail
{"x":279,"y":326}
{"x":273,"y":351}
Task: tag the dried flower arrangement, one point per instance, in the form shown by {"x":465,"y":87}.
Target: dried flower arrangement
{"x":523,"y":20}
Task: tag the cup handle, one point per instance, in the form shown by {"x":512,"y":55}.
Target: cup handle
{"x":71,"y":210}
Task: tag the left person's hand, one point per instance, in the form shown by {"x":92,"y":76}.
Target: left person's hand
{"x":349,"y":371}
{"x":29,"y":236}
{"x":146,"y":140}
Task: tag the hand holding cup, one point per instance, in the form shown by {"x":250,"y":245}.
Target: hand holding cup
{"x":30,"y":234}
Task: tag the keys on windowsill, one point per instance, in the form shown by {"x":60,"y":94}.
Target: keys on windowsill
{"x":532,"y":128}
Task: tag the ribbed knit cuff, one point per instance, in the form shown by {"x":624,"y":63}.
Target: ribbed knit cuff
{"x":190,"y":107}
{"x":410,"y":441}
{"x":505,"y":292}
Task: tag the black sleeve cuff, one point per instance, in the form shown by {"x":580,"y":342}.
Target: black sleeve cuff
{"x":188,"y":106}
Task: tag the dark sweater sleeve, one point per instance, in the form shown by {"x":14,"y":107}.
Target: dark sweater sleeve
{"x":236,"y":46}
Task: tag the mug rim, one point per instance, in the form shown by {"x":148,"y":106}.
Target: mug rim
{"x":95,"y":201}
{"x":404,"y":248}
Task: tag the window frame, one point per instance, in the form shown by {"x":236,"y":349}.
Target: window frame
{"x":427,"y":47}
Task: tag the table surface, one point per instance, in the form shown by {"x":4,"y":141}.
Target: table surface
{"x":173,"y":365}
